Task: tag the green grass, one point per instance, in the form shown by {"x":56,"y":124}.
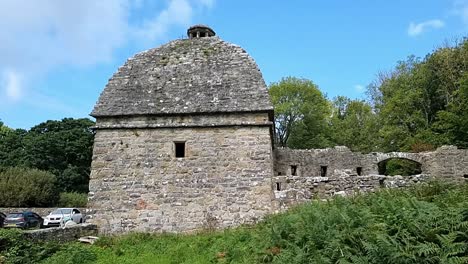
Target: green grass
{"x":424,"y":224}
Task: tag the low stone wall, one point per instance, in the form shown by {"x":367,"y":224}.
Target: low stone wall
{"x":58,"y":234}
{"x":42,"y":211}
{"x":291,"y":190}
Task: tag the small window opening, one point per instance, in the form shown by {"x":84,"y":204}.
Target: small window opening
{"x":382,"y":183}
{"x":323,"y":171}
{"x":278,"y":186}
{"x":293,"y":170}
{"x":202,"y":34}
{"x":179,"y":149}
{"x":359,"y":171}
{"x":465,"y":176}
{"x":279,"y":173}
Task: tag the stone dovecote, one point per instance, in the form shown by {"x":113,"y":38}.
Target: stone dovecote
{"x":183,"y":140}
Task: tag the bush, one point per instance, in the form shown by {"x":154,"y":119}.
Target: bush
{"x":22,"y":187}
{"x":73,"y":199}
{"x":72,"y":254}
{"x":16,"y":249}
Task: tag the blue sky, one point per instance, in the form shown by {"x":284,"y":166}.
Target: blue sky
{"x":56,"y":56}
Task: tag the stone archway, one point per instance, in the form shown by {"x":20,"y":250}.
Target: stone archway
{"x":376,"y":158}
{"x":399,"y":166}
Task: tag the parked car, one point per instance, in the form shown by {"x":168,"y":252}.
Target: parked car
{"x":2,"y":218}
{"x":61,"y":215}
{"x":23,"y":220}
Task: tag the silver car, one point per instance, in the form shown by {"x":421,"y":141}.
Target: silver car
{"x":59,"y":216}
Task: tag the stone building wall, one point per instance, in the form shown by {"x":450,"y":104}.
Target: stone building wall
{"x":137,"y":183}
{"x":300,"y":175}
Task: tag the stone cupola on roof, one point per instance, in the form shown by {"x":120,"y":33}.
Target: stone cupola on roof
{"x":201,"y":74}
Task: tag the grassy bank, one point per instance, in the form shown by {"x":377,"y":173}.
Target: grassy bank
{"x":425,"y":224}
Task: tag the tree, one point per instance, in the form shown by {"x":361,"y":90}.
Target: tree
{"x":22,"y":187}
{"x":63,"y":148}
{"x":301,"y":111}
{"x":11,"y":146}
{"x":418,"y":100}
{"x":354,"y":124}
{"x":454,"y":120}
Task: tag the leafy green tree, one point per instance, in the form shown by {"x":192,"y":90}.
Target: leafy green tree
{"x":63,"y":148}
{"x":417,"y":99}
{"x":11,"y":146}
{"x":454,"y":120}
{"x":354,"y":124}
{"x":301,"y":113}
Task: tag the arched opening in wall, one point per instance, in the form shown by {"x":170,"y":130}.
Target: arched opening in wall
{"x":399,"y":166}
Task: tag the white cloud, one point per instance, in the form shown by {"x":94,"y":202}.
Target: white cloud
{"x":11,"y":80}
{"x":359,"y":88}
{"x":419,"y":28}
{"x":40,"y":36}
{"x":179,"y":12}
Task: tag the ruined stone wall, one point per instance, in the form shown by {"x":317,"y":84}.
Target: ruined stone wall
{"x":448,"y":162}
{"x":137,"y":183}
{"x":291,"y":190}
{"x":61,"y":235}
{"x":309,"y":162}
{"x":299,"y":174}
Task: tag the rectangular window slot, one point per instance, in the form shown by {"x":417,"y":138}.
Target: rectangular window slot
{"x":293,"y":170}
{"x":278,"y":186}
{"x":382,"y":183}
{"x":359,"y":171}
{"x":179,"y":149}
{"x":323,"y":171}
{"x":465,"y":176}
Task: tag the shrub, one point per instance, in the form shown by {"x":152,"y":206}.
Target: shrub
{"x":22,"y":187}
{"x":16,"y":249}
{"x":72,"y":254}
{"x":73,"y":199}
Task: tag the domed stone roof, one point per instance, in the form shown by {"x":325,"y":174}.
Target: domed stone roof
{"x":187,"y":76}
